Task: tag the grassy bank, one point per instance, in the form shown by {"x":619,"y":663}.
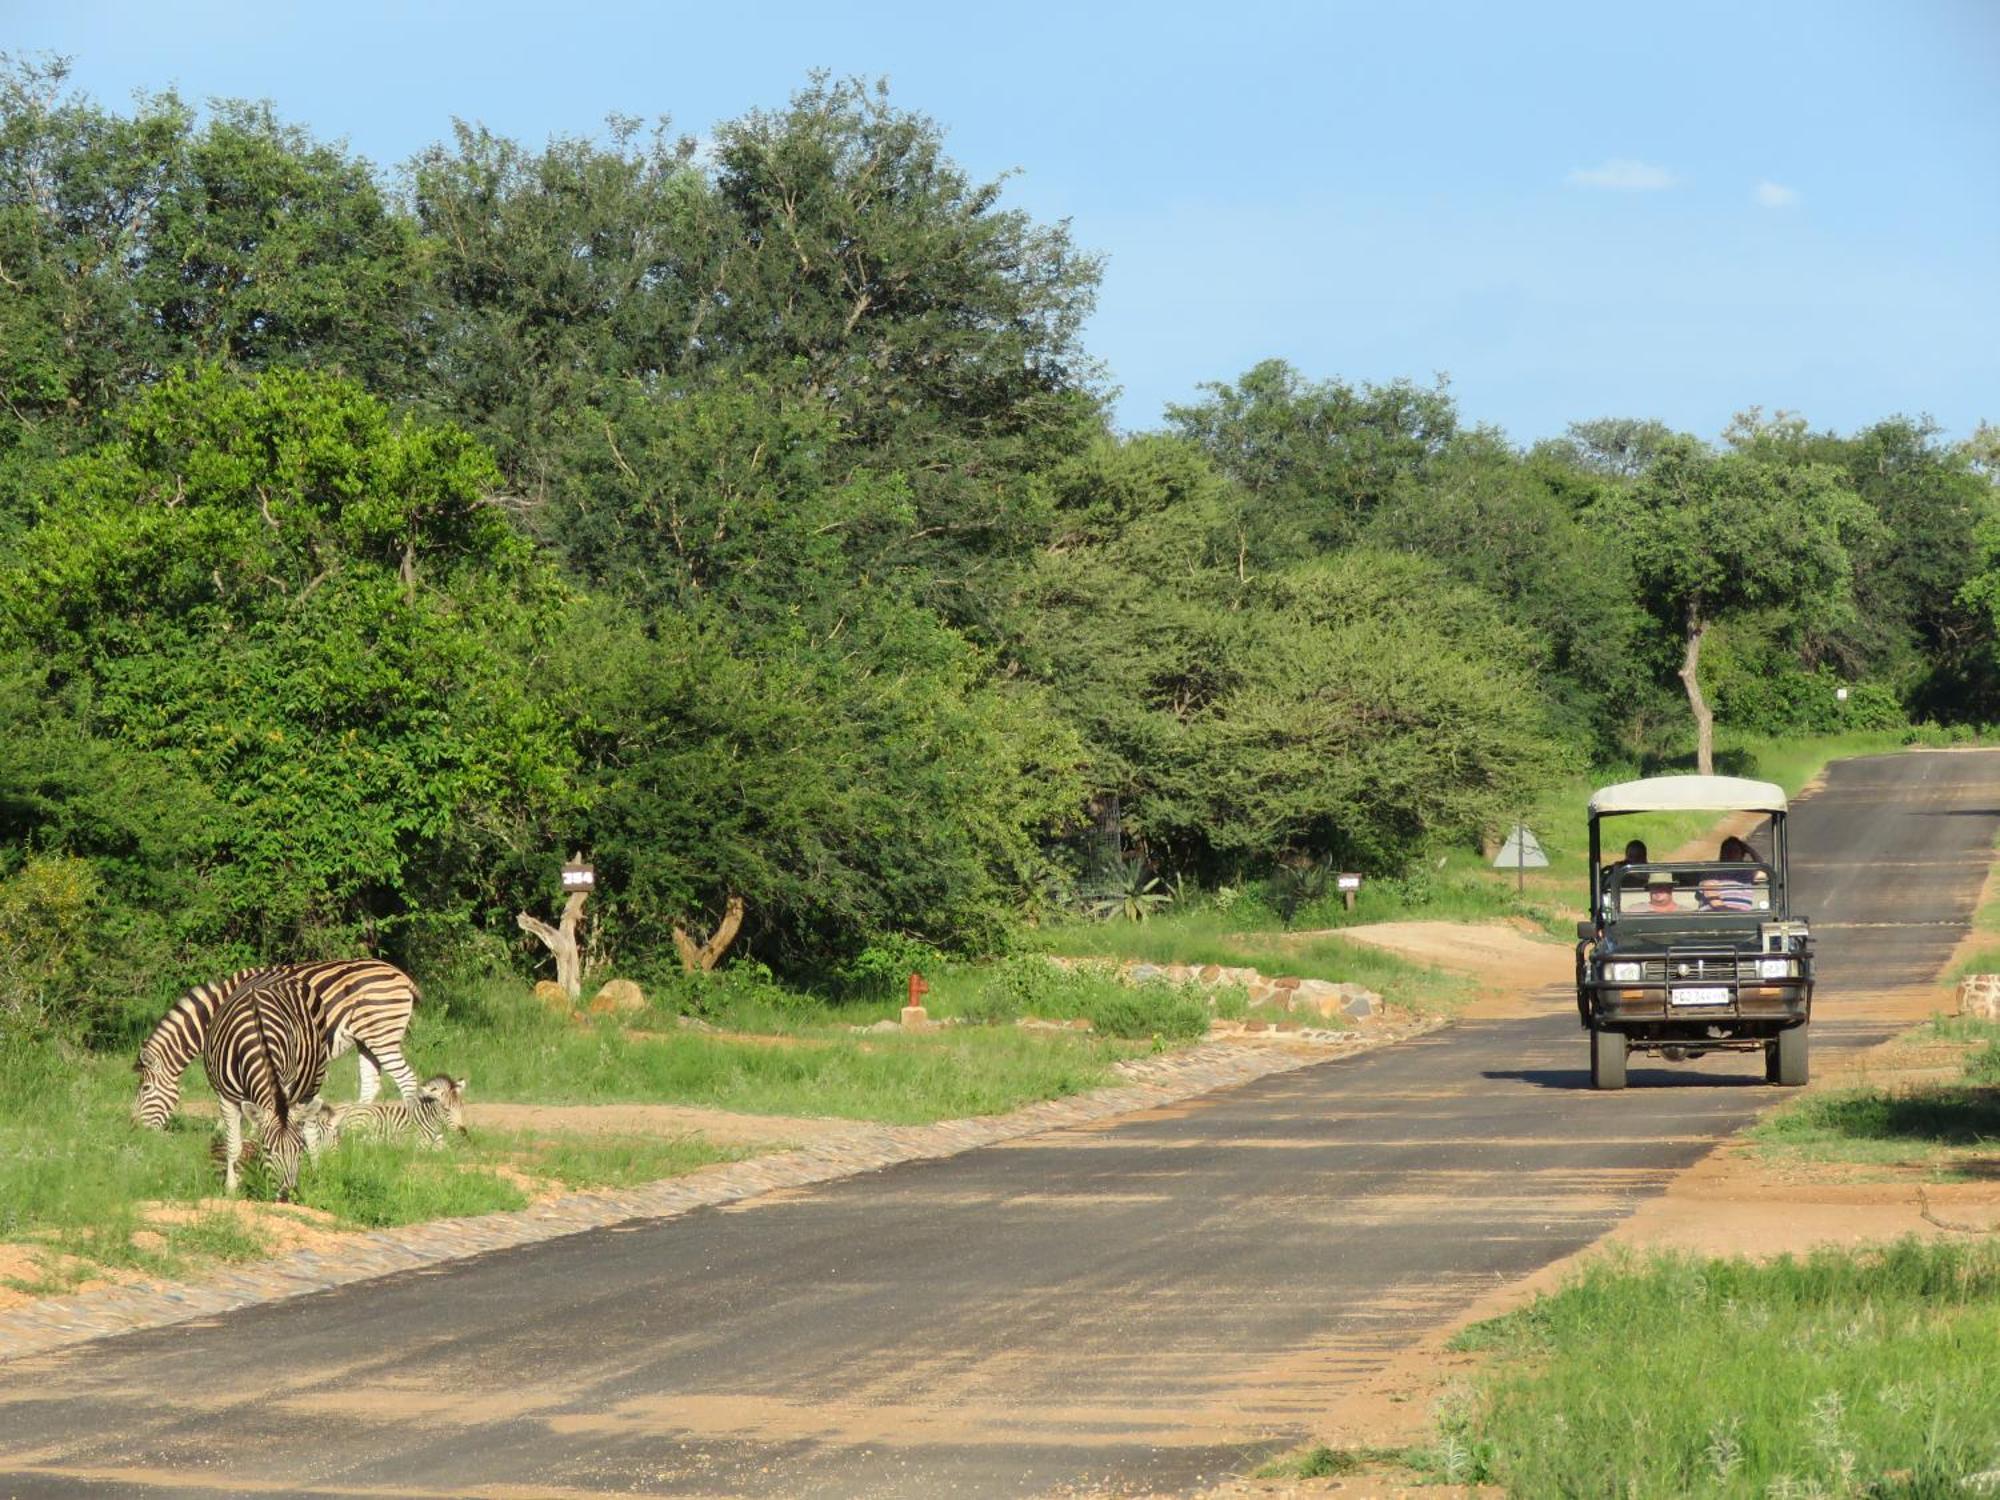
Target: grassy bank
{"x":87,"y":1191}
{"x":1944,"y":1131}
{"x":1866,"y":1373}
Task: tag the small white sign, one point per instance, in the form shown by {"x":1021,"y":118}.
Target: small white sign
{"x":1347,"y":882}
{"x":1522,"y":851}
{"x":579,"y":878}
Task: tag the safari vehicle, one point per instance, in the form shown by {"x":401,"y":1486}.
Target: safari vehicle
{"x":1687,"y":957}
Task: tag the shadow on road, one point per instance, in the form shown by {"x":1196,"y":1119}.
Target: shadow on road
{"x":1651,"y":1078}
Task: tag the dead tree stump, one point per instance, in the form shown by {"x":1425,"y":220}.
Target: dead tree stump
{"x":561,"y":939}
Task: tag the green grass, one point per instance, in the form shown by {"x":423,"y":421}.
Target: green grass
{"x":379,"y":1184}
{"x":514,"y":1049}
{"x":1855,"y":1373}
{"x":1322,"y":1462}
{"x":1948,"y":1129}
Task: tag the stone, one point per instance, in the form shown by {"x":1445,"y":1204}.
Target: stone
{"x":1211,"y":973}
{"x":1286,"y":982}
{"x":554,"y":996}
{"x":1360,"y":1003}
{"x":696,"y":1023}
{"x":619,"y":997}
{"x":885,"y":1024}
{"x":1979,"y":995}
{"x":1320,"y":997}
{"x":915,"y":1018}
{"x":1145,"y":973}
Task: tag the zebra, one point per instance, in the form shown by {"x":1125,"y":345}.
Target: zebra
{"x":438,"y":1107}
{"x":363,"y":1003}
{"x":265,"y":1052}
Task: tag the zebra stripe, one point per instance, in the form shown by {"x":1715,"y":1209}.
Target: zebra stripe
{"x":265,"y":1053}
{"x":363,"y":1003}
{"x":438,"y":1107}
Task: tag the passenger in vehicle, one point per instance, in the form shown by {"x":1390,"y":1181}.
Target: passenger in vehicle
{"x":1617,"y":876}
{"x":1732,"y":890}
{"x":1660,"y":894}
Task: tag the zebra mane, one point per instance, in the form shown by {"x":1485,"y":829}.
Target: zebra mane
{"x":176,"y":1037}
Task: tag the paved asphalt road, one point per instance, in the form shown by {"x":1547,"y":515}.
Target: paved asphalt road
{"x":1154,"y":1302}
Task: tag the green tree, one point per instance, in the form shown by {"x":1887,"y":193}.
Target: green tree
{"x":1315,"y":459}
{"x":315,"y":614}
{"x":844,"y":786}
{"x":1511,"y":527}
{"x":131,"y":243}
{"x":1715,"y":536}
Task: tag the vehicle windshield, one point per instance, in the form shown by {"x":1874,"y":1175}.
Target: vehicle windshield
{"x":1677,"y":890}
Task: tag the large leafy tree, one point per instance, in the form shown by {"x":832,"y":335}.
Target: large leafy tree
{"x":130,"y":243}
{"x":844,"y":783}
{"x":1356,"y":707}
{"x":1714,"y":537}
{"x":315,"y":614}
{"x":830,"y":253}
{"x":1510,"y":526}
{"x":1314,"y":458}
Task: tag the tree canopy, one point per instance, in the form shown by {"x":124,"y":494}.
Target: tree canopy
{"x":748,"y":512}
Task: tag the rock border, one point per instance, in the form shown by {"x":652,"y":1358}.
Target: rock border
{"x":57,"y":1322}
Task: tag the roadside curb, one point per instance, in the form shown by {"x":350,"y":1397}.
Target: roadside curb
{"x":60,"y":1321}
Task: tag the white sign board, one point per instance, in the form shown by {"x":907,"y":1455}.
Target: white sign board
{"x":1347,"y":882}
{"x":579,"y":878}
{"x":1522,"y":851}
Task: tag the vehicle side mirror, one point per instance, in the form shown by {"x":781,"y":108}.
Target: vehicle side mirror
{"x":1585,"y":931}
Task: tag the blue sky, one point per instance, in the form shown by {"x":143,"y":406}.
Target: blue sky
{"x":1574,"y":210}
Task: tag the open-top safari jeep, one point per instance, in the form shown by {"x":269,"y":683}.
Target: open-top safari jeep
{"x":1688,"y":957}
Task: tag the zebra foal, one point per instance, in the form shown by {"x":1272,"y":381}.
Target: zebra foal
{"x":361,"y":1003}
{"x":439,"y":1107}
{"x":265,"y":1053}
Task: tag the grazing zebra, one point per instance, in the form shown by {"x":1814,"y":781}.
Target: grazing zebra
{"x":266,"y":1054}
{"x":438,"y":1107}
{"x":362,"y":1003}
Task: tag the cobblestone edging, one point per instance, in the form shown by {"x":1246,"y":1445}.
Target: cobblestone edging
{"x":57,"y":1321}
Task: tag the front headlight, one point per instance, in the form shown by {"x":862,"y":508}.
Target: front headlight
{"x":1776,"y":968}
{"x":1623,"y":973}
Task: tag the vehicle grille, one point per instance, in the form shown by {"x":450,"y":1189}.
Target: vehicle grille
{"x":1695,"y":968}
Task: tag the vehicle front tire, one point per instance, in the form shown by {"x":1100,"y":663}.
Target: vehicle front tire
{"x":1788,"y":1059}
{"x":1608,"y":1051}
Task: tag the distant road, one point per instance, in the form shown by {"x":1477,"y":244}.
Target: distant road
{"x":1150,"y":1304}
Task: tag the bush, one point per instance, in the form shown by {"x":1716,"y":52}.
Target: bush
{"x":882,"y":969}
{"x":47,"y":908}
{"x":1175,"y":1014}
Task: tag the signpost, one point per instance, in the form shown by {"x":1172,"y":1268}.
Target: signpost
{"x":1347,"y":885}
{"x":1524,"y":852}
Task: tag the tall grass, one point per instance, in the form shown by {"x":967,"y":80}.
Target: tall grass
{"x":1845,"y":1373}
{"x":514,"y":1049}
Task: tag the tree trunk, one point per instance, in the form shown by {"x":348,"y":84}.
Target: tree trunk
{"x":700,"y":958}
{"x":1704,"y":719}
{"x":561,"y":940}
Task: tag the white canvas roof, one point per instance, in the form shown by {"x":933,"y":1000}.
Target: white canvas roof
{"x":1689,"y":794}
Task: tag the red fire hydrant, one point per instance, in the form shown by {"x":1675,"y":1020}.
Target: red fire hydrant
{"x":914,"y":1015}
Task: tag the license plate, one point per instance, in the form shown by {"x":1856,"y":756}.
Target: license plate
{"x":1707,"y":994}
